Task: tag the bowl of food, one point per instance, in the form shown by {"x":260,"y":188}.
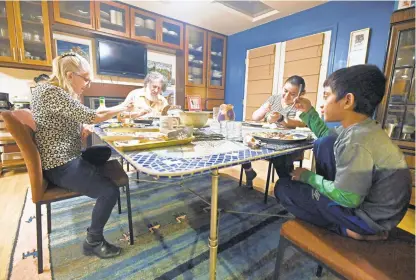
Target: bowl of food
{"x":195,"y":119}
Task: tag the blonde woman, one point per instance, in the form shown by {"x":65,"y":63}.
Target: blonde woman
{"x":149,"y":100}
{"x":59,"y":117}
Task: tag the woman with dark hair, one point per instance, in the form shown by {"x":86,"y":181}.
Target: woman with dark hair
{"x":42,"y":78}
{"x":279,"y":108}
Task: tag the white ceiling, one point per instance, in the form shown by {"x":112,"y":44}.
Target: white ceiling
{"x":216,"y":17}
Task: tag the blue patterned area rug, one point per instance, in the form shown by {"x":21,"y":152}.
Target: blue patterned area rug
{"x":171,"y":228}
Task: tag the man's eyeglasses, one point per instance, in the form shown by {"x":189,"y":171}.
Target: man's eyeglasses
{"x":86,"y":80}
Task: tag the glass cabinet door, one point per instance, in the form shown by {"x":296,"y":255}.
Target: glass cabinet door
{"x":77,"y":13}
{"x":112,"y":18}
{"x":8,"y":48}
{"x":144,"y":26}
{"x":172,"y":33}
{"x":216,"y":54}
{"x":195,"y":53}
{"x":400,"y":118}
{"x":33,"y":32}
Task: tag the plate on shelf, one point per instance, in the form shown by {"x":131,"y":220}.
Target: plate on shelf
{"x":84,"y":13}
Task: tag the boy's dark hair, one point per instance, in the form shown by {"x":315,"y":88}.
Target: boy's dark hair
{"x":296,"y":81}
{"x":366,"y":82}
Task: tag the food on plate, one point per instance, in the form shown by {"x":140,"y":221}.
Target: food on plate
{"x":119,"y":125}
{"x":143,"y":136}
{"x":280,"y":135}
{"x":251,"y":142}
{"x":127,"y":143}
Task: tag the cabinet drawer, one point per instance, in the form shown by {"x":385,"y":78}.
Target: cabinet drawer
{"x":215,"y":93}
{"x":213,"y":103}
{"x":196,"y":91}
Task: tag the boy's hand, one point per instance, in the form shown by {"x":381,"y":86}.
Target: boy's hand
{"x":302,"y":104}
{"x":297,"y":173}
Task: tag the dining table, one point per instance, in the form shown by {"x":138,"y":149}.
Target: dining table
{"x":204,"y":157}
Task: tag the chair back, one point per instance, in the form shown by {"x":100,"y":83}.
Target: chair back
{"x":21,"y":126}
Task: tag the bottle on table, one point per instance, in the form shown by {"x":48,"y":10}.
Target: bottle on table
{"x":102,"y":103}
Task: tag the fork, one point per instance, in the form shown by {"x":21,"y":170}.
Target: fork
{"x":294,"y":103}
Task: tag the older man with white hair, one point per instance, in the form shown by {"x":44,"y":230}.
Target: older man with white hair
{"x":149,"y":100}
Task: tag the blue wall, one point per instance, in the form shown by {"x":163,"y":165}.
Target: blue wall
{"x":339,"y":17}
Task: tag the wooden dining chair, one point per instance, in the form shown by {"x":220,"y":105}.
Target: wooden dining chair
{"x":21,"y":125}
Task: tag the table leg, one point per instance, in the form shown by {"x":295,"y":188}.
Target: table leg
{"x":213,"y":235}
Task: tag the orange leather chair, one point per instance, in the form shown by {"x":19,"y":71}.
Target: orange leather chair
{"x":21,"y":125}
{"x":348,"y":258}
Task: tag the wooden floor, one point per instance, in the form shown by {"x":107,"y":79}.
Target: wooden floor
{"x":13,"y":187}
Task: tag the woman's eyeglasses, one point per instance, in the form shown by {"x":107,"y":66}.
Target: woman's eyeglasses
{"x":86,"y":80}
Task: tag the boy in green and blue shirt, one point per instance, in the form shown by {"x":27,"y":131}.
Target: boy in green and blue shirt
{"x":362,"y":186}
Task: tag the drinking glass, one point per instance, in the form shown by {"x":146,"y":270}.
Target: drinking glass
{"x":223,"y":128}
{"x":215,"y":112}
{"x":234,"y":130}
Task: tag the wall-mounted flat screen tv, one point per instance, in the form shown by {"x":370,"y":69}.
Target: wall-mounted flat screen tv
{"x":122,"y":59}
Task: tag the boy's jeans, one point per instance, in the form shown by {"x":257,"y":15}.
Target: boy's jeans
{"x":307,"y":204}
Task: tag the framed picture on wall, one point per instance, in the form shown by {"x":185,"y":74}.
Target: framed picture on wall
{"x":357,"y":53}
{"x":403,"y":4}
{"x":194,"y":103}
{"x":83,"y":46}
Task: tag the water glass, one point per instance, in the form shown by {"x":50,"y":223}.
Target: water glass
{"x":234,"y":130}
{"x":215,"y":113}
{"x":223,"y":128}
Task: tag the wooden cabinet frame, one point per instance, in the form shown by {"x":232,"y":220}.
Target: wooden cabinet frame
{"x":204,"y":55}
{"x":161,"y":20}
{"x":133,"y":27}
{"x":224,"y":57}
{"x":12,"y":34}
{"x":46,"y":37}
{"x":402,"y":21}
{"x":57,"y":16}
{"x":107,"y":30}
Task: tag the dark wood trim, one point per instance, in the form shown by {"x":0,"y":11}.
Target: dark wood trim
{"x":403,"y":15}
{"x":180,"y":79}
{"x":57,"y":16}
{"x":46,"y":39}
{"x":224,"y":58}
{"x":133,"y":35}
{"x":26,"y":66}
{"x":174,"y":22}
{"x":13,"y":47}
{"x":107,"y":30}
{"x":188,"y":29}
{"x":394,"y":33}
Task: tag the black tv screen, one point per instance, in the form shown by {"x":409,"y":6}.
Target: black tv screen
{"x":121,"y":59}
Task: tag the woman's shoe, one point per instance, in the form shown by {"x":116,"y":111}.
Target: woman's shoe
{"x":102,"y":249}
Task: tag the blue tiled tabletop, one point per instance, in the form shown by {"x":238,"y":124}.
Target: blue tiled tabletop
{"x":201,"y":156}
